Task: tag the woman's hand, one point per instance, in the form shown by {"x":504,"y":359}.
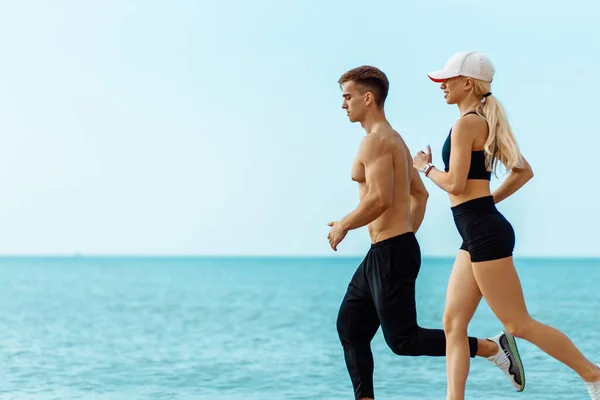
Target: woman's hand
{"x":421,"y":159}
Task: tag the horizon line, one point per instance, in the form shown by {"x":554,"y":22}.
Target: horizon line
{"x":271,"y":256}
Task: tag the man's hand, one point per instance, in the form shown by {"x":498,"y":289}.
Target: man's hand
{"x":336,"y":234}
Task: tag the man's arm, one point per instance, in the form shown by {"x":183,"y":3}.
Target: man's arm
{"x":379,"y":173}
{"x":418,"y":200}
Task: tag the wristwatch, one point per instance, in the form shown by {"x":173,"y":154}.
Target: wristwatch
{"x":426,"y":168}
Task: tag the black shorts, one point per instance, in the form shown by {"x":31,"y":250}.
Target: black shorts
{"x":486,"y":234}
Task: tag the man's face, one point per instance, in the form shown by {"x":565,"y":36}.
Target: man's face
{"x":354,"y":101}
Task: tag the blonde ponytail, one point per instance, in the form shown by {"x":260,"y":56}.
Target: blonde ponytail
{"x":501,"y":145}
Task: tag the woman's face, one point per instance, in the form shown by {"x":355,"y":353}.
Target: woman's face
{"x":455,"y":89}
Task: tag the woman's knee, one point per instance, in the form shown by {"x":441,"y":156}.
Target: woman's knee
{"x":520,"y":329}
{"x":454,"y":323}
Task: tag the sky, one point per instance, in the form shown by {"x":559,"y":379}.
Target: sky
{"x":215,"y":127}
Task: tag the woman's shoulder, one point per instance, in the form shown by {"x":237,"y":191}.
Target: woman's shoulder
{"x":470,"y":126}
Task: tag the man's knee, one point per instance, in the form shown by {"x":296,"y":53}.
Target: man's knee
{"x":342,"y":326}
{"x":347,"y":333}
{"x":401,"y":346}
{"x":400,"y":342}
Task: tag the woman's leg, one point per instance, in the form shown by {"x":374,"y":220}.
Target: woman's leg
{"x":501,"y":288}
{"x":462,"y":298}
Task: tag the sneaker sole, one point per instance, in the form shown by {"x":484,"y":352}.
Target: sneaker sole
{"x":514,"y":352}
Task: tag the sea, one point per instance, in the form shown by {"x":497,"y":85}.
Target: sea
{"x":252,"y":328}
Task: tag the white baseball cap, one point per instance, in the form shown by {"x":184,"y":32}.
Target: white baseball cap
{"x":472,"y":64}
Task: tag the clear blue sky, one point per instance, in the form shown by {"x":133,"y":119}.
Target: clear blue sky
{"x":195,"y":127}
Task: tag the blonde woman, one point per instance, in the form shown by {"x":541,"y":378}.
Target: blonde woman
{"x":480,"y":139}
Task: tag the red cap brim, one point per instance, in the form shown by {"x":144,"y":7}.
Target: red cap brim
{"x":439,"y":76}
{"x":438,"y":80}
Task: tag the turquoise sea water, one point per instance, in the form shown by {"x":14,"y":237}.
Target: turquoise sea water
{"x":250,"y":328}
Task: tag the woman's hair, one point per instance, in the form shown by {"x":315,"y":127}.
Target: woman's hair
{"x":501,"y":144}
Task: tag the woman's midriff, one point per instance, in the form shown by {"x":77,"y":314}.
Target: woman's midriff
{"x":475,"y":188}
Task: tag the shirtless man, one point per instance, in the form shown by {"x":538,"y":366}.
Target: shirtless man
{"x":392,"y":204}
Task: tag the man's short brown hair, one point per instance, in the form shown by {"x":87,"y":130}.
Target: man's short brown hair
{"x":373,"y":79}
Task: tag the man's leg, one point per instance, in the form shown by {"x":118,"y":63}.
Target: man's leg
{"x":357,"y":324}
{"x":392,"y":283}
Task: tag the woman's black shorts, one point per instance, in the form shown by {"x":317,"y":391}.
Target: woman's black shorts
{"x":486,"y":234}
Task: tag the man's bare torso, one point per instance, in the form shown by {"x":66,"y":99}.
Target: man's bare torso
{"x":396,"y":219}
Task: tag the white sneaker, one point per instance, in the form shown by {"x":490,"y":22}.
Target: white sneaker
{"x":594,"y":389}
{"x":509,"y":360}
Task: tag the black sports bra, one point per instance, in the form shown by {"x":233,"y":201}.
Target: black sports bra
{"x":477,"y":168}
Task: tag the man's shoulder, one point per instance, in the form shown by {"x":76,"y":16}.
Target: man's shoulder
{"x":377,"y":145}
{"x":375,"y":142}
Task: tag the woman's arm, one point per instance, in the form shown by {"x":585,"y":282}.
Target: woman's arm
{"x":461,"y":142}
{"x":513,"y":182}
